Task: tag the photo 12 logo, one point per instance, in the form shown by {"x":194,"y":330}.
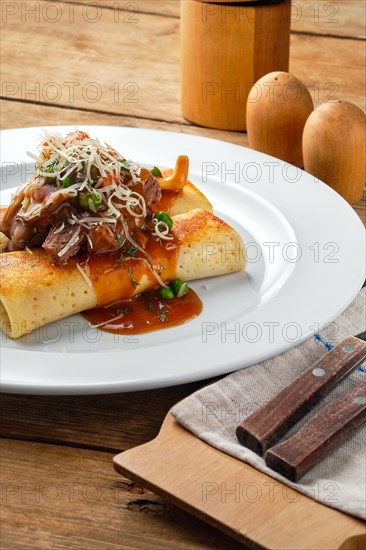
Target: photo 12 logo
{"x":269,"y":491}
{"x":70,"y":92}
{"x":68,"y":12}
{"x":271,"y":252}
{"x":293,"y":12}
{"x":267,"y":332}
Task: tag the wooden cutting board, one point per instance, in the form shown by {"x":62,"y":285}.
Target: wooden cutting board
{"x":234,"y":497}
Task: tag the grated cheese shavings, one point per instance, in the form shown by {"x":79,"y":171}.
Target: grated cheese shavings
{"x":83,"y":273}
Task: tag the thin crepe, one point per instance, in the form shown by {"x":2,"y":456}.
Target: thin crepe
{"x":34,"y":292}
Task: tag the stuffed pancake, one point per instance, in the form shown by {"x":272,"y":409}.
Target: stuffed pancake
{"x":91,"y":228}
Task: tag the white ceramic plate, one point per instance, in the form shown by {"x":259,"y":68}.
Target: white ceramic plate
{"x":306,"y":264}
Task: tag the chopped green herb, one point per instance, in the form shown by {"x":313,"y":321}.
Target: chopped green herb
{"x":165,"y":218}
{"x":156,"y":172}
{"x":50,"y":168}
{"x":162,"y":313}
{"x":123,"y":162}
{"x":150,"y":306}
{"x":121,"y":261}
{"x":120,"y":311}
{"x":132,"y":251}
{"x":131,"y":275}
{"x":90,"y":201}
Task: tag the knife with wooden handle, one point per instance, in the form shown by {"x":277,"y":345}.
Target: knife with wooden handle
{"x":263,"y":428}
{"x":333,"y":425}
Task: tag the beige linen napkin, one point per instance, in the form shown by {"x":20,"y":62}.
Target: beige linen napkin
{"x":214,"y":412}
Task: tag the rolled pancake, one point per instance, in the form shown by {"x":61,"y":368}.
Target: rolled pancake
{"x":183,"y":201}
{"x":34,"y":292}
{"x":189,"y":199}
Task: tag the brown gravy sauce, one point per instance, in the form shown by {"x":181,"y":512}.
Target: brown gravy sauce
{"x":130,"y":312}
{"x":113,"y":278}
{"x":166,"y":201}
{"x":145,"y":313}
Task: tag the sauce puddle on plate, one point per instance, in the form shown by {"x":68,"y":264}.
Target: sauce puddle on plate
{"x":145,"y":313}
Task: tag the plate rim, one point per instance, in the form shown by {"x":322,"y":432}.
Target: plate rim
{"x":14,"y":386}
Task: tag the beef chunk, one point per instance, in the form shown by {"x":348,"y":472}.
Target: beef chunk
{"x":152,"y":191}
{"x":40,"y":235}
{"x":21,"y":233}
{"x":63,"y":245}
{"x":102,"y":239}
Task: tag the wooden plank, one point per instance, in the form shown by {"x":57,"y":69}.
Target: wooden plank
{"x":330,"y":68}
{"x":341,"y":18}
{"x":110,"y":422}
{"x":126,"y":75}
{"x":87,"y":68}
{"x":167,"y":8}
{"x":15,"y":114}
{"x":57,"y":497}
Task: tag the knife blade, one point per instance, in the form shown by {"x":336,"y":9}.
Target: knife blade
{"x":265,"y":426}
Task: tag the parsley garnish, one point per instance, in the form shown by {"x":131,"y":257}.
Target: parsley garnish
{"x":50,"y":168}
{"x":120,"y":311}
{"x":162,"y":313}
{"x":132,"y":251}
{"x":120,"y":262}
{"x":130,"y":273}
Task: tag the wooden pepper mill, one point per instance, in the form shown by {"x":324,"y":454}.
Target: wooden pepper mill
{"x":226,"y":48}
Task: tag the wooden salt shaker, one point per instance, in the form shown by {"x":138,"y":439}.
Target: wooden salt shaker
{"x":226,"y":48}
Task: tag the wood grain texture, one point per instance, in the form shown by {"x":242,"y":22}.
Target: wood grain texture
{"x":334,"y":424}
{"x":222,"y":57}
{"x":17,"y":114}
{"x":167,"y":8}
{"x":340,"y":18}
{"x":111,"y":422}
{"x":55,"y":497}
{"x":215,"y":489}
{"x":87,"y":69}
{"x":263,"y":428}
{"x":117,"y":49}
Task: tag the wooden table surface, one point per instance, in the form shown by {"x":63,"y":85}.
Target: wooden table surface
{"x":117,"y":63}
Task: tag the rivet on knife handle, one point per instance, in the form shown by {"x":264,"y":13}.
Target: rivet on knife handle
{"x":269,"y":423}
{"x":332,"y":425}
